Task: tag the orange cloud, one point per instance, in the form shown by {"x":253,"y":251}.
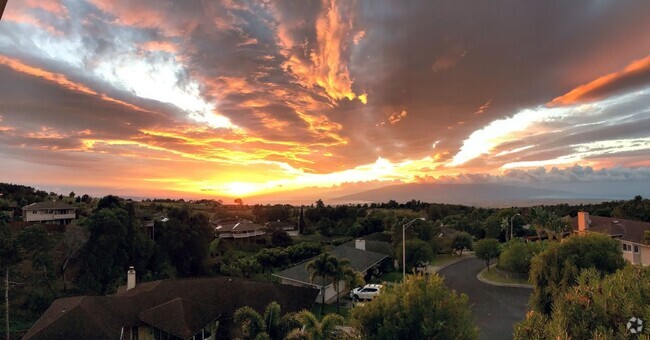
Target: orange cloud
{"x":635,"y":74}
{"x":394,"y":118}
{"x":52,"y":6}
{"x":358,"y":36}
{"x":483,"y":107}
{"x":159,"y":46}
{"x":61,"y":80}
{"x":327,"y":63}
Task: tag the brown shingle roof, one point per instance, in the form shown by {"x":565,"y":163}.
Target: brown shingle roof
{"x":626,"y":230}
{"x":180,"y":317}
{"x":48,"y":205}
{"x":102,"y":317}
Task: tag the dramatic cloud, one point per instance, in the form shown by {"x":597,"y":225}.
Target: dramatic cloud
{"x":230,"y":98}
{"x":634,"y":76}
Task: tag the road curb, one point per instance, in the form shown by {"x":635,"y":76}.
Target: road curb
{"x":479,"y":276}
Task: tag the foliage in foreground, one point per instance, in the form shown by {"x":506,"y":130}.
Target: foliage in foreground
{"x":272,"y":325}
{"x":421,"y":308}
{"x":596,"y":308}
{"x":557,"y":268}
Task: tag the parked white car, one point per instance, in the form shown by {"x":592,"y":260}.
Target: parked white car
{"x":367,"y":292}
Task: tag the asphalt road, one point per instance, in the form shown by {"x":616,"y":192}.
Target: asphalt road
{"x":495,"y":309}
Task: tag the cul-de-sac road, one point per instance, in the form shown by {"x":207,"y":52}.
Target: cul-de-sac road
{"x":496,"y":309}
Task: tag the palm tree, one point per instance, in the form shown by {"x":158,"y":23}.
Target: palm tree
{"x":323,"y":266}
{"x":315,"y":330}
{"x":557,"y":226}
{"x":540,"y":219}
{"x":270,"y":326}
{"x":343,"y":272}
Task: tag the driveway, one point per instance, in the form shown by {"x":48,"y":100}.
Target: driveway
{"x":495,"y":309}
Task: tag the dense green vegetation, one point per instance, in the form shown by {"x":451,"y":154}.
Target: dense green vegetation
{"x":91,"y":255}
{"x":595,"y":307}
{"x":556,"y":268}
{"x":421,"y":308}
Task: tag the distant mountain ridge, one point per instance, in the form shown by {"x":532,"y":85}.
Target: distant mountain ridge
{"x":478,"y":194}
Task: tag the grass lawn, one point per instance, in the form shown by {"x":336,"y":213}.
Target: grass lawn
{"x":500,"y":276}
{"x":443,"y":259}
{"x":390,"y":277}
{"x":331,"y":308}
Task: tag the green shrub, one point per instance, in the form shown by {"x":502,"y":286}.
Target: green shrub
{"x":516,"y":255}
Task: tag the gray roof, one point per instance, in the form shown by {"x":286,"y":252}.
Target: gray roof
{"x":360,"y":260}
{"x":375,"y":246}
{"x":48,"y":205}
{"x":240,"y":225}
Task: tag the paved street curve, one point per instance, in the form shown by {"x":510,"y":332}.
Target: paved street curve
{"x":495,"y":309}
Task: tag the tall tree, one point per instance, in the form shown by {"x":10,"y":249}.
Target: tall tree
{"x":420,"y":308}
{"x":185,"y":239}
{"x":105,"y":255}
{"x":301,"y":222}
{"x":323,"y":266}
{"x":461,"y":241}
{"x":343,"y":272}
{"x":37,"y":245}
{"x":486,"y":250}
{"x":74,"y":239}
{"x":539,"y":218}
{"x":557,"y":267}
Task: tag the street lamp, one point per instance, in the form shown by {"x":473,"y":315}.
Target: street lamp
{"x":404,"y":245}
{"x":512,"y":218}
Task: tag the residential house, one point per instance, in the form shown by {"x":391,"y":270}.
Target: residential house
{"x":361,"y":260}
{"x":199,"y":308}
{"x":50,"y":212}
{"x":238,"y":228}
{"x":636,"y":249}
{"x":290,"y":229}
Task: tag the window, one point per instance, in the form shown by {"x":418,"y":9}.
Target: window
{"x":636,"y":249}
{"x":627,"y":247}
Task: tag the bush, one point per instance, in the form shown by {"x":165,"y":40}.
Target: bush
{"x":595,"y":308}
{"x":421,"y":308}
{"x":516,"y":256}
{"x":557,"y":268}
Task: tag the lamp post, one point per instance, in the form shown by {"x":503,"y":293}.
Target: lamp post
{"x":512,"y":218}
{"x":404,"y":245}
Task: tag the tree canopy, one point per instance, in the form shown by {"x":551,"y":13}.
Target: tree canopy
{"x":595,"y":308}
{"x":559,"y":265}
{"x":486,"y":250}
{"x":420,"y":308}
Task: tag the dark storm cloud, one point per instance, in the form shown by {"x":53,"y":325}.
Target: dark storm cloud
{"x":321,"y":85}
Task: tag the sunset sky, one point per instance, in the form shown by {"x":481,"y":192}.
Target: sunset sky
{"x":225,"y":99}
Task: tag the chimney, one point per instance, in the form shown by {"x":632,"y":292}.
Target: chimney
{"x":583,"y":221}
{"x":130,"y":278}
{"x":360,"y":244}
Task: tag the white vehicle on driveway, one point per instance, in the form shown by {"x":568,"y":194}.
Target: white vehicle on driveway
{"x":367,"y":292}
